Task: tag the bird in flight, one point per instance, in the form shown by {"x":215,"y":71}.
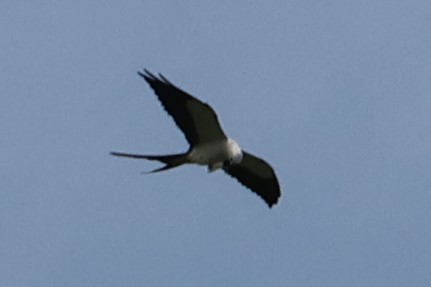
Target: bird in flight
{"x":209,"y":145}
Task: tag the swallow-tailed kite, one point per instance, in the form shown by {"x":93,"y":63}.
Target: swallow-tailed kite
{"x":208,"y":143}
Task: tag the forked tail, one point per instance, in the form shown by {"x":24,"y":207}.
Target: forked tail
{"x":170,"y":161}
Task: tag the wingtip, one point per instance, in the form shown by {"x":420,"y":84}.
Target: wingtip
{"x":150,"y":77}
{"x":272,"y":203}
{"x":147,"y":75}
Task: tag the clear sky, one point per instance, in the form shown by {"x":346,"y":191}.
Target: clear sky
{"x":336,"y":95}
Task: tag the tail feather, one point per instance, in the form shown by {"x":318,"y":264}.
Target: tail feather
{"x":170,"y":161}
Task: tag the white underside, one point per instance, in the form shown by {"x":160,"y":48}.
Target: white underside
{"x":215,"y":154}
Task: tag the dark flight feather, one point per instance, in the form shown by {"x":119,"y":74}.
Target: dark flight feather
{"x":196,"y":119}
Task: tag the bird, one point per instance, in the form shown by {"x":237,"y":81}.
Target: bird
{"x":208,"y":144}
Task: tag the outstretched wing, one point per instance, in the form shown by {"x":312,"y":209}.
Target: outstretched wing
{"x":196,"y":119}
{"x":257,"y":175}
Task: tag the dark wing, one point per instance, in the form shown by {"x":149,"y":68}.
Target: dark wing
{"x":257,"y":175}
{"x":196,"y":119}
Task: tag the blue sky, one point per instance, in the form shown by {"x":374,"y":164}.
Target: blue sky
{"x":336,"y":95}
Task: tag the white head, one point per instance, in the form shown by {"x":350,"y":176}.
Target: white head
{"x":234,"y":152}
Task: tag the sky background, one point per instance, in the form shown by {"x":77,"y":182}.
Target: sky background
{"x":336,"y":95}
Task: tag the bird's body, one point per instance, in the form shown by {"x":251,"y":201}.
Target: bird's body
{"x":209,"y":146}
{"x":216,"y":154}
